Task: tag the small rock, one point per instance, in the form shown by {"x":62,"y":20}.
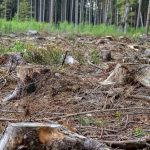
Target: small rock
{"x":147,"y":52}
{"x":89,"y":115}
{"x":70,"y":60}
{"x":32,"y":32}
{"x":16,"y":104}
{"x":57,"y":75}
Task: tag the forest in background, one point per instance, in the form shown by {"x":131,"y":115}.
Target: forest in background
{"x":124,"y":14}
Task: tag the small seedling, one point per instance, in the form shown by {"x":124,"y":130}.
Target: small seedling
{"x":85,"y":121}
{"x":79,"y":57}
{"x":138,"y":132}
{"x":95,"y":57}
{"x":100,"y":123}
{"x":118,"y":115}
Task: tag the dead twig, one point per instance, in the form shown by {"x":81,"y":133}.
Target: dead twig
{"x":3,"y":81}
{"x":11,"y":111}
{"x":93,"y":65}
{"x":103,"y":111}
{"x":128,"y":143}
{"x":140,"y":97}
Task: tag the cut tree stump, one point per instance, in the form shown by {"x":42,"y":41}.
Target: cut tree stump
{"x":46,"y":136}
{"x":27,"y":79}
{"x":106,"y":55}
{"x":129,"y":72}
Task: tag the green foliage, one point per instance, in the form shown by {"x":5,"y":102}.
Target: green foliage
{"x":24,"y":11}
{"x":79,"y":57}
{"x":118,"y":115}
{"x":17,"y":47}
{"x":122,"y":6}
{"x":83,"y":29}
{"x":50,"y":54}
{"x":95,"y":57}
{"x":100,"y":122}
{"x":138,"y":132}
{"x":85,"y":121}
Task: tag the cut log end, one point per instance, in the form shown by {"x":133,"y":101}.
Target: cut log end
{"x":46,"y":136}
{"x":106,"y":55}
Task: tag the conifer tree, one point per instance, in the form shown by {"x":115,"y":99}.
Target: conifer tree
{"x":24,"y":11}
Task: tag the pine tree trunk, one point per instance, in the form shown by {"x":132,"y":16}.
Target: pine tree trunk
{"x":81,"y":11}
{"x":18,"y":9}
{"x":51,"y":11}
{"x":71,"y":10}
{"x":106,"y":11}
{"x":126,"y":17}
{"x":148,"y":19}
{"x":31,"y":9}
{"x":90,"y":12}
{"x":76,"y":11}
{"x":43,"y":17}
{"x":35,"y":14}
{"x":40,"y":11}
{"x":139,"y":12}
{"x":117,"y":17}
{"x":141,"y":20}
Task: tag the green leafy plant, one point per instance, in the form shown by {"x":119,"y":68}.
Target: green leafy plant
{"x":100,"y":122}
{"x":138,"y":132}
{"x":118,"y":115}
{"x":18,"y":47}
{"x":79,"y":57}
{"x":85,"y":121}
{"x":95,"y":57}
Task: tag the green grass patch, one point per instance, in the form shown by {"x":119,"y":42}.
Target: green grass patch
{"x":95,"y":57}
{"x":65,"y":27}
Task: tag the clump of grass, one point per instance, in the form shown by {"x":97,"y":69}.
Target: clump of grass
{"x":118,"y":115}
{"x":138,"y":132}
{"x":17,"y":47}
{"x":100,"y":123}
{"x":85,"y":121}
{"x":71,"y":37}
{"x":95,"y":57}
{"x":79,"y":57}
{"x":50,"y":54}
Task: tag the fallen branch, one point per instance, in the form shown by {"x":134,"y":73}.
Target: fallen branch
{"x":93,"y":65}
{"x":3,"y":81}
{"x":11,"y":111}
{"x":103,"y":111}
{"x":128,"y":144}
{"x":9,"y":119}
{"x":140,"y":97}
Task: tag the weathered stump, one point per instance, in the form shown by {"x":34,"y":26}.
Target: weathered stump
{"x":43,"y":136}
{"x":106,"y":55}
{"x":27,"y":79}
{"x":129,"y":72}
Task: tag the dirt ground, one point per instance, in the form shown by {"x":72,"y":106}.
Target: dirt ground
{"x":76,"y":88}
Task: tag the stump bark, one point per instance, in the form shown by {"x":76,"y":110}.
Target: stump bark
{"x":106,"y":55}
{"x":128,"y":72}
{"x":42,"y":136}
{"x":27,"y":80}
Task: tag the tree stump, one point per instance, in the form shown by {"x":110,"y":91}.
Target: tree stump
{"x":128,"y":72}
{"x":106,"y":55}
{"x":27,"y":78}
{"x":45,"y":136}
